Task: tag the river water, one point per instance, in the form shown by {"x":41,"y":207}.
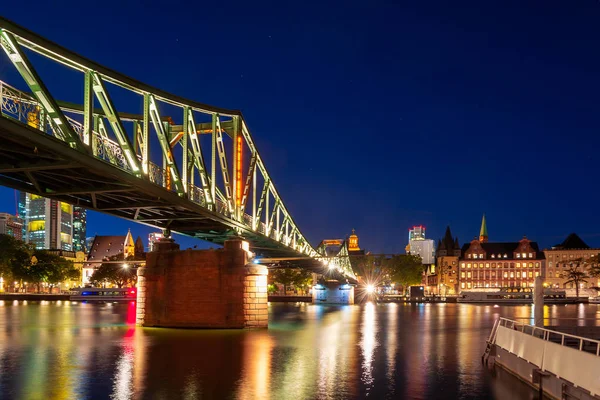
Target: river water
{"x":65,"y":350}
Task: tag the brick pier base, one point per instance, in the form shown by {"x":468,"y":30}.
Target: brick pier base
{"x":202,"y":289}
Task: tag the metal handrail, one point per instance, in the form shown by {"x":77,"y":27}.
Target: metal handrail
{"x":505,"y":322}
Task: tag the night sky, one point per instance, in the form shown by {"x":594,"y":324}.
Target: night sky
{"x":372,"y":115}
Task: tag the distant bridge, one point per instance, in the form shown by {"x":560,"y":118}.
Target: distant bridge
{"x":196,"y":172}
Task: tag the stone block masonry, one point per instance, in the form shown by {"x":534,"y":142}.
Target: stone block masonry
{"x":202,"y":289}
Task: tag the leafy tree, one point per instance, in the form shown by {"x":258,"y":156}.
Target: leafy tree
{"x":404,"y":269}
{"x":50,"y":268}
{"x":299,"y":278}
{"x":116,"y":273}
{"x":15,"y":257}
{"x":575,"y":275}
{"x":371,"y":269}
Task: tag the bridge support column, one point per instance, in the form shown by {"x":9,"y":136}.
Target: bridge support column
{"x":333,"y":293}
{"x":202,"y":289}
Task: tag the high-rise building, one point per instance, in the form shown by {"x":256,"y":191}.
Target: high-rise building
{"x":11,"y":225}
{"x":48,"y":223}
{"x":79,"y":229}
{"x":418,"y":245}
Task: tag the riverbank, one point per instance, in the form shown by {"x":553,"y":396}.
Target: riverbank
{"x":34,"y":297}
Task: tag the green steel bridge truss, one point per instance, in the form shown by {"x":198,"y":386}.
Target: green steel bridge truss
{"x":99,"y":157}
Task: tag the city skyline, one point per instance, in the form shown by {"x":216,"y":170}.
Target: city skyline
{"x":497,"y":131}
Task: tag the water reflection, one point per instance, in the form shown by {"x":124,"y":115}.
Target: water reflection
{"x":368,"y":344}
{"x":84,"y":351}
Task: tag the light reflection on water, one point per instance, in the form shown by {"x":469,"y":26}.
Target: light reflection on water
{"x":420,"y":351}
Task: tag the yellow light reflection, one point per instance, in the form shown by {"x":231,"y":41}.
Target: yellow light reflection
{"x":368,"y":343}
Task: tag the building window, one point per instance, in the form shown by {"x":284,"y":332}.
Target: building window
{"x":524,"y":255}
{"x":468,"y":285}
{"x":468,"y":256}
{"x":518,"y":274}
{"x":518,"y":255}
{"x":487,"y":265}
{"x":537,"y":265}
{"x":530,"y":265}
{"x":505,"y":256}
{"x":493,"y":256}
{"x":469,"y":274}
{"x":469,"y":265}
{"x":462,"y":285}
{"x":512,"y":274}
{"x":537,"y":274}
{"x":550,"y":274}
{"x":462,"y":274}
{"x":506,"y":274}
{"x":462,"y":265}
{"x":530,"y":255}
{"x":530,"y":274}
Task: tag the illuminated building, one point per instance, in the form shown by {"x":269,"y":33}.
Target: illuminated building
{"x":353,"y":243}
{"x":418,"y":245}
{"x":499,"y":264}
{"x":11,"y":225}
{"x":79,"y":229}
{"x":104,"y":247}
{"x":572,"y":250}
{"x":48,"y":223}
{"x":442,"y":278}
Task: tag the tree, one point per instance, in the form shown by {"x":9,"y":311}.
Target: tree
{"x":404,"y":269}
{"x":116,"y":273}
{"x":15,"y":257}
{"x":50,"y":268}
{"x":573,"y":274}
{"x":299,"y":278}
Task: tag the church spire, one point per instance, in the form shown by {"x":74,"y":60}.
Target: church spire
{"x":483,"y":235}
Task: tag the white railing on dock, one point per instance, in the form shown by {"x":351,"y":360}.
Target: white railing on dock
{"x":546,"y":334}
{"x":569,"y":357}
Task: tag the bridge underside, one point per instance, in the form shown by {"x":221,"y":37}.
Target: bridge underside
{"x":43,"y":165}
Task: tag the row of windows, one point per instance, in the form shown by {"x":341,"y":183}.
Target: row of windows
{"x":557,"y":256}
{"x":469,"y":285}
{"x":518,"y":255}
{"x":501,"y":265}
{"x":511,"y":274}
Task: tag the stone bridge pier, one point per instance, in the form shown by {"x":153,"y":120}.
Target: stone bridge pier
{"x":202,"y":288}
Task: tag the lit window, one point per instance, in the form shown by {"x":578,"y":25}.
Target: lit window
{"x":469,"y":274}
{"x":537,"y":265}
{"x":505,"y":256}
{"x":512,"y":274}
{"x":468,"y":285}
{"x":537,"y":274}
{"x":462,"y":274}
{"x":493,"y":256}
{"x":462,"y":285}
{"x":487,"y":265}
{"x":462,"y":265}
{"x":469,"y":265}
{"x":530,"y":255}
{"x":518,"y":255}
{"x":468,"y":256}
{"x":518,"y":274}
{"x":506,"y":274}
{"x":531,"y":265}
{"x":530,"y":274}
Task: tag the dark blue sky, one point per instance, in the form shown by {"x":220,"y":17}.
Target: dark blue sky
{"x":378,"y":116}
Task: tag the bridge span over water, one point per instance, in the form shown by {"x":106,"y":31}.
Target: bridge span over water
{"x":174,"y":164}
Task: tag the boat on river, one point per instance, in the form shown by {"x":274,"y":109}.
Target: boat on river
{"x":103,"y":294}
{"x":512,"y":295}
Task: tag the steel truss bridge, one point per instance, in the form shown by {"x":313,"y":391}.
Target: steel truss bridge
{"x":196,"y":171}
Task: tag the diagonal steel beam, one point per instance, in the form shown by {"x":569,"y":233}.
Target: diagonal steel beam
{"x":223,"y":162}
{"x":261,"y":202}
{"x":115,"y":122}
{"x":57,"y":119}
{"x":198,"y":158}
{"x":164,"y":144}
